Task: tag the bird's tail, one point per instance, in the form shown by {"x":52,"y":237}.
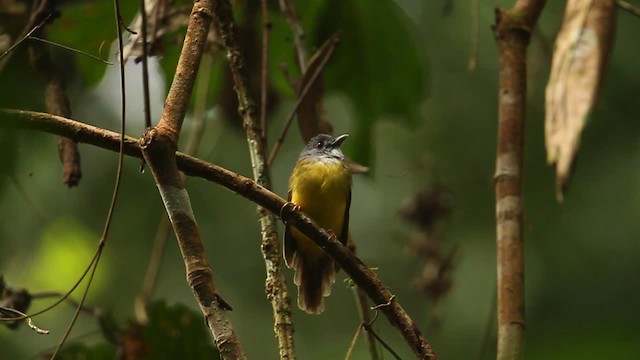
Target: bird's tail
{"x":314,"y":279}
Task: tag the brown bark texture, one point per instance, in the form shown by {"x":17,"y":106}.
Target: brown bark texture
{"x":276,"y":287}
{"x":512,"y":32}
{"x":158,"y":147}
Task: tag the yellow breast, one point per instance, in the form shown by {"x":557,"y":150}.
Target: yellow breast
{"x":321,"y":189}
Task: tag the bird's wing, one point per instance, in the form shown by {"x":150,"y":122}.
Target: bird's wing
{"x":290,"y":245}
{"x":344,"y":234}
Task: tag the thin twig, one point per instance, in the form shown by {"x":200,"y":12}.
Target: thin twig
{"x":289,"y":10}
{"x":369,"y":329}
{"x":353,"y":342}
{"x":266,"y":31}
{"x":196,"y":131}
{"x":75,"y":304}
{"x":33,"y":327}
{"x":3,"y":60}
{"x":363,"y":308}
{"x":367,"y":325}
{"x":145,"y":67}
{"x":365,"y":317}
{"x":106,"y":62}
{"x":295,"y":108}
{"x":116,"y":187}
{"x":73,"y":288}
{"x":359,"y":272}
{"x":287,"y":75}
{"x":80,"y":305}
{"x":387,"y":303}
{"x":632,"y":9}
{"x":153,"y":269}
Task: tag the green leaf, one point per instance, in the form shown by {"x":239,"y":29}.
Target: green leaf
{"x":173,"y":332}
{"x":177,"y":332}
{"x":85,"y":26}
{"x":379,"y":64}
{"x":66,"y":247}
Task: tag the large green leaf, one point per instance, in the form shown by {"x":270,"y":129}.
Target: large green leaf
{"x":177,"y":332}
{"x":86,"y":26}
{"x":173,"y":332}
{"x":379,"y":64}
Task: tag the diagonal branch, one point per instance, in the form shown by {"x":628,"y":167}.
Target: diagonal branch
{"x":158,"y":147}
{"x":512,"y":32}
{"x":352,"y":265}
{"x":289,"y":10}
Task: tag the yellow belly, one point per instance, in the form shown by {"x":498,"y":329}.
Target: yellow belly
{"x":321,"y":189}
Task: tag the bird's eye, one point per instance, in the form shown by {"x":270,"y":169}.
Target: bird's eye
{"x":319,"y":144}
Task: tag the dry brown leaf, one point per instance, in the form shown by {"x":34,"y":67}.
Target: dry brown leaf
{"x":579,"y":60}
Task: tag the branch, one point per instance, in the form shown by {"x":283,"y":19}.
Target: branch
{"x":632,"y":9}
{"x":158,"y":147}
{"x":264,"y":66}
{"x":512,"y":32}
{"x":192,"y":144}
{"x":289,"y":11}
{"x":57,"y":103}
{"x":363,"y":309}
{"x":247,"y":188}
{"x":276,"y":287}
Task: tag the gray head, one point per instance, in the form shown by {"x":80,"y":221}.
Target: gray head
{"x":324,"y":145}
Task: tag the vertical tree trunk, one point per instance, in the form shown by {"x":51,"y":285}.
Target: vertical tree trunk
{"x":512,"y":32}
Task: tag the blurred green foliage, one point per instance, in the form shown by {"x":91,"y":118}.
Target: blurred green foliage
{"x":50,"y":255}
{"x":89,"y":26}
{"x":391,"y":70}
{"x":173,"y":332}
{"x":581,"y":256}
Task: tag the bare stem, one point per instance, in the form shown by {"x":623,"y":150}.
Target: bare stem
{"x":145,"y":66}
{"x":512,"y":33}
{"x":289,"y":10}
{"x":264,"y":76}
{"x":627,"y":6}
{"x":276,"y":288}
{"x":158,"y":147}
{"x":164,"y":226}
{"x":305,"y":90}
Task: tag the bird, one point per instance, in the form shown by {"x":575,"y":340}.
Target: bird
{"x":319,"y":186}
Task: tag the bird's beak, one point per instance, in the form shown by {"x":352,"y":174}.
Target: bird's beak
{"x":339,"y":140}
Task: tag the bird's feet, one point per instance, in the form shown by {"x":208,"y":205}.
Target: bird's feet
{"x":293,"y":206}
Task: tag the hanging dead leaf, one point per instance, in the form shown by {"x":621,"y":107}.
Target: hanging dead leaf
{"x":579,"y":60}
